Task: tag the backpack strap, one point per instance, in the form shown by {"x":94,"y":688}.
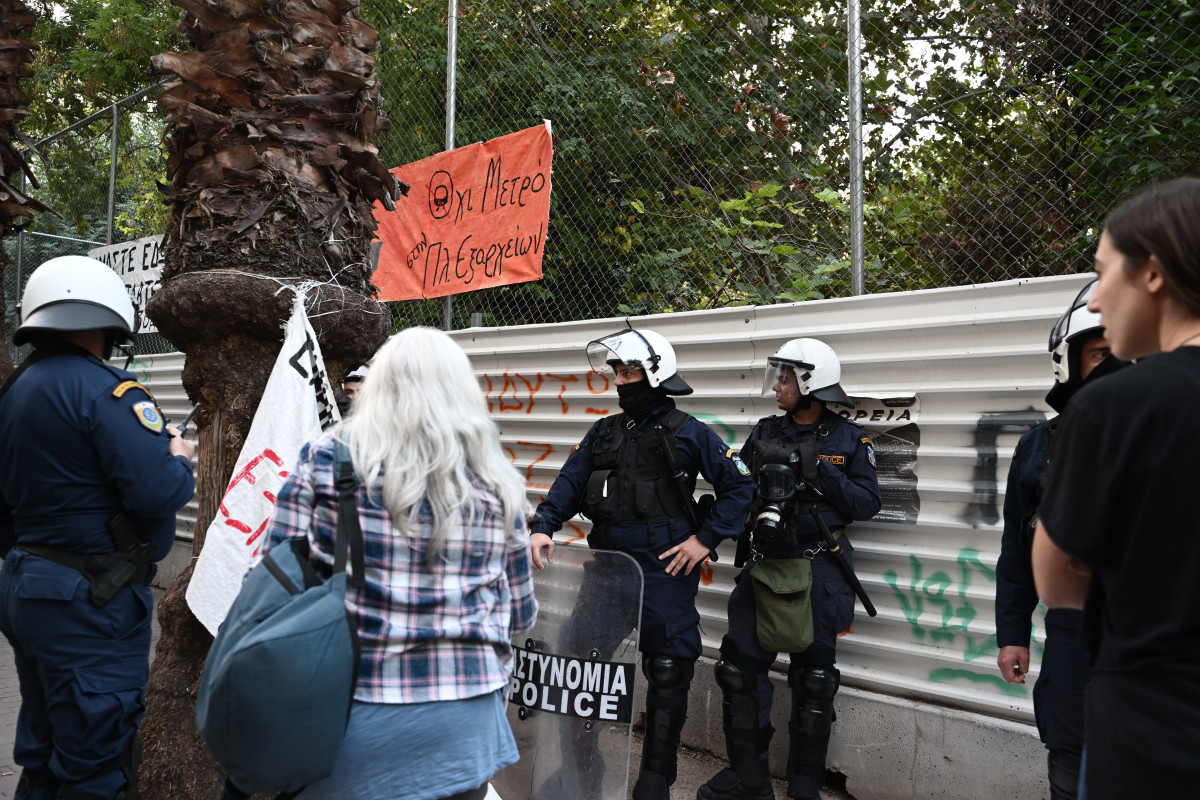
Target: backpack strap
{"x":672,"y":422}
{"x":349,"y":538}
{"x":667,"y":431}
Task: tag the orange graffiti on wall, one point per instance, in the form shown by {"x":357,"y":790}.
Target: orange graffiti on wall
{"x":519,"y":394}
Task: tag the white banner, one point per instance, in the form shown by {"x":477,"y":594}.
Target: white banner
{"x":140,"y":265}
{"x":296,"y":405}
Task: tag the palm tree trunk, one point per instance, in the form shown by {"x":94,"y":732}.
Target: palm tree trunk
{"x":272,"y":181}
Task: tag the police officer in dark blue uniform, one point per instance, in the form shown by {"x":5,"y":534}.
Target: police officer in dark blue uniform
{"x":634,"y":476}
{"x":90,"y":480}
{"x":808,"y":445}
{"x":1080,"y":354}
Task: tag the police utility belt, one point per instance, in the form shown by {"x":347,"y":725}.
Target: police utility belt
{"x":766,"y":542}
{"x":106,"y":573}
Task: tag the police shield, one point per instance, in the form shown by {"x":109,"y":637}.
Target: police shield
{"x":570,"y":700}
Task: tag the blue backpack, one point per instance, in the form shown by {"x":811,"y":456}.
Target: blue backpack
{"x":278,"y":684}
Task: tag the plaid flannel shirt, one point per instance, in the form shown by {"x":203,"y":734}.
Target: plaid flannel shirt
{"x":428,"y":632}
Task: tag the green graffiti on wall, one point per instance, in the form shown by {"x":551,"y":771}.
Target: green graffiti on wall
{"x":947,"y":674}
{"x":947,"y":600}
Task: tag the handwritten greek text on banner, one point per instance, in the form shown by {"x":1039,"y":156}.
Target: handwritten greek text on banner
{"x":476,"y":217}
{"x":296,"y":405}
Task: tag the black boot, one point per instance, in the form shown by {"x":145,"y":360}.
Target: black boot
{"x":748,"y":776}
{"x":806,"y":766}
{"x":727,"y":785}
{"x":666,"y":711}
{"x":813,"y":689}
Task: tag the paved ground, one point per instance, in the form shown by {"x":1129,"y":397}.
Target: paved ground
{"x":694,"y":767}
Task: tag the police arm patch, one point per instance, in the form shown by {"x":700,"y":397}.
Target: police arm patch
{"x":124,"y":387}
{"x":742,"y":469}
{"x":870,"y":452}
{"x":147,"y":414}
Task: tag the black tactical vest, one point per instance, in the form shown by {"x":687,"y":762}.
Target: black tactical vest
{"x":629,"y":480}
{"x":775,"y":449}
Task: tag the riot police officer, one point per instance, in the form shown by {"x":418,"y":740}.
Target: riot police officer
{"x":90,"y":480}
{"x":809,"y":461}
{"x":1080,"y":354}
{"x":634,"y":476}
{"x":351,"y":385}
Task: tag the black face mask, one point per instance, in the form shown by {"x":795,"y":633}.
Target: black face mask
{"x":1061,"y":393}
{"x":640,"y":398}
{"x":804,"y":403}
{"x":1108,"y":366}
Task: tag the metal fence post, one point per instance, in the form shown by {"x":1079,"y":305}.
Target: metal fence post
{"x":451,"y":64}
{"x":854,"y":68}
{"x":112,"y":174}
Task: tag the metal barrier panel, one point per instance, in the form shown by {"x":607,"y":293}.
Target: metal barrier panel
{"x":971,"y":367}
{"x":974,"y":361}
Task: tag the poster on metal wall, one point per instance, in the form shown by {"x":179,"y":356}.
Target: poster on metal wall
{"x":891,"y":422}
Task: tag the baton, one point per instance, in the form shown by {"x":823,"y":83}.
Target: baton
{"x":835,"y":550}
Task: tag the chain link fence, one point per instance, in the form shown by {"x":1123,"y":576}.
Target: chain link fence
{"x":702,"y":150}
{"x":98,"y":176}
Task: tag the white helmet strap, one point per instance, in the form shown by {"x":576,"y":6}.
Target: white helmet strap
{"x":654,"y":358}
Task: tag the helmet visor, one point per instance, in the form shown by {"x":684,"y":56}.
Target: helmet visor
{"x":781,"y":374}
{"x":627,"y":347}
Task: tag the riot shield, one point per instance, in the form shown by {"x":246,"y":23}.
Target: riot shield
{"x":570,"y":700}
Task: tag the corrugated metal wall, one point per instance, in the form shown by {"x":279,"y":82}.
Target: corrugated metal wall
{"x":160,"y":373}
{"x":956,"y":376}
{"x":960,"y":373}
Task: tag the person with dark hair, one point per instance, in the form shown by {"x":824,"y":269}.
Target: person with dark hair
{"x":637,"y":494}
{"x":1080,"y":355}
{"x":815,"y":474}
{"x":90,"y":480}
{"x":1117,"y":533}
{"x":351,"y":386}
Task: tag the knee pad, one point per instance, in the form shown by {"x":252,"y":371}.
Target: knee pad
{"x":666,"y":709}
{"x":735,"y":678}
{"x":667,"y":675}
{"x":813,"y":689}
{"x":821,"y":683}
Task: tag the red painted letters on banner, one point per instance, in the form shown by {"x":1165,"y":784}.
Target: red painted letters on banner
{"x":475,"y":217}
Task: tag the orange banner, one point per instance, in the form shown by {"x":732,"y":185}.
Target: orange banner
{"x":475,"y":217}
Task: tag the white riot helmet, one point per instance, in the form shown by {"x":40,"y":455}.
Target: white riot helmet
{"x":75,"y":293}
{"x":817,"y":370}
{"x":1075,"y":326}
{"x":646,"y":349}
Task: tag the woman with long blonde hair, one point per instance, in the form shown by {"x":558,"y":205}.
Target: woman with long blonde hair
{"x":448,"y":575}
